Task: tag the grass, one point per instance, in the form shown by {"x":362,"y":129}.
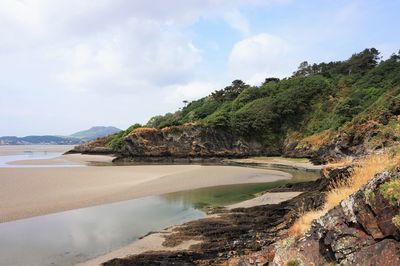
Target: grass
{"x":317,"y":140}
{"x":144,"y":130}
{"x":391,"y":192}
{"x":396,"y":221}
{"x":337,"y":164}
{"x":292,"y":263}
{"x":364,"y":169}
{"x":304,"y":222}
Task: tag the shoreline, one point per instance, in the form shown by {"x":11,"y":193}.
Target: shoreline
{"x":154,"y":241}
{"x":26,"y":192}
{"x":18,"y":149}
{"x":102,"y":185}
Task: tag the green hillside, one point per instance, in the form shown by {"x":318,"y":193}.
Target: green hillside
{"x":315,"y":103}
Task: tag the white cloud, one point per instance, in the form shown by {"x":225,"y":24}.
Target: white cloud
{"x":91,"y":45}
{"x":238,"y":22}
{"x":111,"y":44}
{"x":133,"y":57}
{"x":260,"y":56}
{"x":190,"y":91}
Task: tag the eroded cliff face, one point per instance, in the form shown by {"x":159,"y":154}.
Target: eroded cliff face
{"x":189,"y":141}
{"x":362,"y":230}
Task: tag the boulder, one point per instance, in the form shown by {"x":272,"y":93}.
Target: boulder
{"x":359,"y":231}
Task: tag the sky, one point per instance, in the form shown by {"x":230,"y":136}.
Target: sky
{"x":67,"y":65}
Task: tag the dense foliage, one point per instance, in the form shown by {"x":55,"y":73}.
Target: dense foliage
{"x":314,"y":99}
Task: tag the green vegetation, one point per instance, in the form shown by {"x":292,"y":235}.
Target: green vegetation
{"x":116,"y":141}
{"x":316,"y":98}
{"x":391,"y":191}
{"x":310,"y":106}
{"x":396,"y":221}
{"x":292,"y":263}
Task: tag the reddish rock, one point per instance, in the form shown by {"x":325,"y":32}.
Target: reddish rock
{"x":359,"y":231}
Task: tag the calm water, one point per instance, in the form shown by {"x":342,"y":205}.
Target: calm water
{"x":74,"y":236}
{"x":30,"y":155}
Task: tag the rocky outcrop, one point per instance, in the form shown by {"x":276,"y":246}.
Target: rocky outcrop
{"x":98,"y":146}
{"x":358,"y":138}
{"x":188,"y":142}
{"x":179,"y":142}
{"x":359,"y":231}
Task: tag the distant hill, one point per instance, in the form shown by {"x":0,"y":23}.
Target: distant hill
{"x":39,"y":140}
{"x":76,"y":138}
{"x":95,"y":132}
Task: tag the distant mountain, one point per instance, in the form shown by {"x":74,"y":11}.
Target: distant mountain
{"x":39,"y":140}
{"x":95,"y":132}
{"x":76,"y":138}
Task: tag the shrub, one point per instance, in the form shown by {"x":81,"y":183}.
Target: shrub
{"x":391,"y":191}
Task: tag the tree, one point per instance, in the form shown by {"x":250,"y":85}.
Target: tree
{"x":230,"y":92}
{"x":269,"y":80}
{"x":364,"y":61}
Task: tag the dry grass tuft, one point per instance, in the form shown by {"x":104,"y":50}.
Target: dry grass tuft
{"x":346,"y":161}
{"x":144,"y":130}
{"x":304,"y":222}
{"x":369,"y":166}
{"x":364,"y":169}
{"x":317,"y":140}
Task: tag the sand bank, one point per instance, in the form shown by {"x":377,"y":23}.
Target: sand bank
{"x":27,"y":192}
{"x":152,"y":242}
{"x":281,"y":162}
{"x":67,"y":159}
{"x":266,"y":198}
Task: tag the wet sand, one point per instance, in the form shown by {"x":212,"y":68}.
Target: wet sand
{"x":295,"y":163}
{"x":27,"y":192}
{"x":67,"y":159}
{"x":266,"y":198}
{"x":154,"y":241}
{"x":18,"y":149}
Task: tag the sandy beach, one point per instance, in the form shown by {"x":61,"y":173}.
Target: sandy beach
{"x":152,"y":242}
{"x":27,"y":192}
{"x":289,"y":163}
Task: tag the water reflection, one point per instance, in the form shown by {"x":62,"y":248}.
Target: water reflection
{"x":69,"y":237}
{"x":31,"y":155}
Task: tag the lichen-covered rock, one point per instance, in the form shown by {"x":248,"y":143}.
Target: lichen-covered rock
{"x":359,"y":231}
